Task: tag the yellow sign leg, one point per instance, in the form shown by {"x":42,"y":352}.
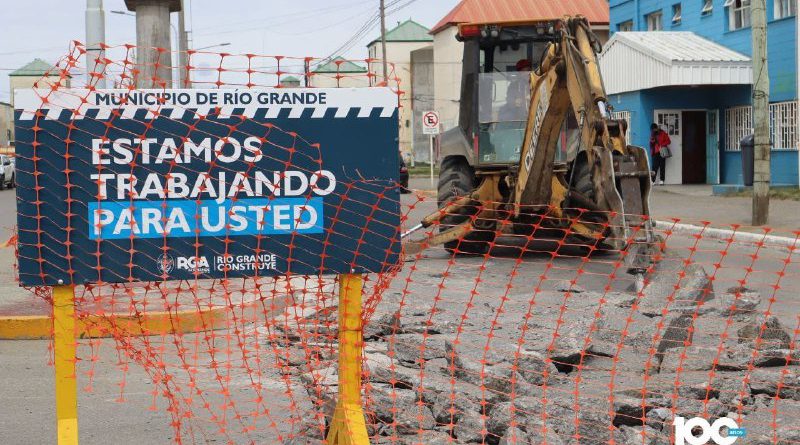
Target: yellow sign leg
{"x":348,"y":426}
{"x":64,"y":352}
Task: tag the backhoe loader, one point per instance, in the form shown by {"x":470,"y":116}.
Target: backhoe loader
{"x":536,"y":152}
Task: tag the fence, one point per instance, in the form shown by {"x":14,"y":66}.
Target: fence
{"x":541,"y":338}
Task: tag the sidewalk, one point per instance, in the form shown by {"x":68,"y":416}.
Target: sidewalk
{"x":693,"y":204}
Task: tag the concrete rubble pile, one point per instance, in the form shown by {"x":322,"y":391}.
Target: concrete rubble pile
{"x":576,"y":366}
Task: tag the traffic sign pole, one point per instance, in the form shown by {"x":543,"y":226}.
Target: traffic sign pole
{"x":430,"y":126}
{"x":432,"y":161}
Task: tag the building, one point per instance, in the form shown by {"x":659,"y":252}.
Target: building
{"x":6,"y":125}
{"x":448,"y":52}
{"x":339,"y":73}
{"x":422,"y":99}
{"x":693,"y":75}
{"x":37,"y":73}
{"x":290,"y":82}
{"x":402,"y":42}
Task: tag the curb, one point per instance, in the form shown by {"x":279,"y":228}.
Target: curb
{"x":727,"y":234}
{"x":37,"y":327}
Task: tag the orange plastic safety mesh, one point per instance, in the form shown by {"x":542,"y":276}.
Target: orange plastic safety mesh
{"x":531,"y":334}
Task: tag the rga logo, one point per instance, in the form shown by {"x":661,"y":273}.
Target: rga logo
{"x":684,"y":434}
{"x":197,"y":264}
{"x":165,"y":264}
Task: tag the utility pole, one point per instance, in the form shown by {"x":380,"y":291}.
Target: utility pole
{"x":761,"y":142}
{"x":95,"y":35}
{"x":383,"y":43}
{"x":183,"y":46}
{"x":152,"y":31}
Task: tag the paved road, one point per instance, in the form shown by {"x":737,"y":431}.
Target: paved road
{"x":26,"y":384}
{"x":695,"y":203}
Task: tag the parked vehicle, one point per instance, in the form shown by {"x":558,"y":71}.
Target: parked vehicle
{"x":8,"y":172}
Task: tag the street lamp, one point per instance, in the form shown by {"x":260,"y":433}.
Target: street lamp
{"x":130,"y":14}
{"x":213,"y":46}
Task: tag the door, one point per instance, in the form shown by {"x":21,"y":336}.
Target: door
{"x":712,"y":146}
{"x":670,"y":121}
{"x":693,"y":147}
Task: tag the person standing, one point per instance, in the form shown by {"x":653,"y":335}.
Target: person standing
{"x":659,"y":150}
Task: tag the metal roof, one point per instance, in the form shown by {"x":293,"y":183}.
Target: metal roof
{"x":664,"y":58}
{"x":497,"y":11}
{"x":37,"y":67}
{"x":340,"y":65}
{"x":408,"y":31}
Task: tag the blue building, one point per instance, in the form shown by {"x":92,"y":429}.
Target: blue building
{"x":685,"y":64}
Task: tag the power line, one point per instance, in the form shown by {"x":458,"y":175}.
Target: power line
{"x":283,"y":18}
{"x":366,"y":27}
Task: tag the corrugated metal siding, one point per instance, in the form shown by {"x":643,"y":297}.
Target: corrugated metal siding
{"x":634,"y":61}
{"x":489,"y":11}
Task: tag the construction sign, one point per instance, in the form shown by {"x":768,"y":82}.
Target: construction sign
{"x":180,"y":184}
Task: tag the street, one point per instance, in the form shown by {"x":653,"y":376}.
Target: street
{"x":396,"y":222}
{"x":111,"y":371}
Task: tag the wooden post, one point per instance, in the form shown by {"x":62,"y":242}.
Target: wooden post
{"x":348,"y":426}
{"x":64,"y":355}
{"x":761,"y":168}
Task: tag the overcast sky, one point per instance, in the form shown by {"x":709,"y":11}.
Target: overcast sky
{"x":44,"y":28}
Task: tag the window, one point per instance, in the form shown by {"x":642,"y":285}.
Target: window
{"x":625,"y":26}
{"x":708,"y":7}
{"x":782,"y":124}
{"x":624,"y":116}
{"x":738,"y":124}
{"x":785,"y":8}
{"x":738,"y":14}
{"x":676,"y":14}
{"x":654,"y":21}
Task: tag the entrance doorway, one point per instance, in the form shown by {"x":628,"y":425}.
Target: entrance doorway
{"x":670,"y":122}
{"x":689,"y":136}
{"x":693,"y":146}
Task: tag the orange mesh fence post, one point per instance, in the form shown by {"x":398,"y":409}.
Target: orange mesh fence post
{"x":348,"y":426}
{"x":64,"y":358}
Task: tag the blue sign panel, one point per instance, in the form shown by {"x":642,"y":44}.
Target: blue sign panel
{"x":119,"y":185}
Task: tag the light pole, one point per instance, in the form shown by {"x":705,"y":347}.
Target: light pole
{"x":212,"y":46}
{"x":95,"y":36}
{"x":130,"y":14}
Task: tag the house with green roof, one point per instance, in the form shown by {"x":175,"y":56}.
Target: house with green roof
{"x":339,"y":72}
{"x":339,"y":65}
{"x":290,"y":82}
{"x":30,"y":73}
{"x":409,"y":53}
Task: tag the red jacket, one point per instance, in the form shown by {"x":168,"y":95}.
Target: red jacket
{"x":660,"y":139}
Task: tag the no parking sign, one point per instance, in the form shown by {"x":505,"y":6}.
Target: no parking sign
{"x":430,"y":122}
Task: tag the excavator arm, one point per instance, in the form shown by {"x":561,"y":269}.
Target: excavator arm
{"x":568,"y":79}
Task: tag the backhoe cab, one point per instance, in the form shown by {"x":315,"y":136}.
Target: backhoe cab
{"x":535,"y":151}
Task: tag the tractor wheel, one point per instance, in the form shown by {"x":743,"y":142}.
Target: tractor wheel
{"x":457,"y":179}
